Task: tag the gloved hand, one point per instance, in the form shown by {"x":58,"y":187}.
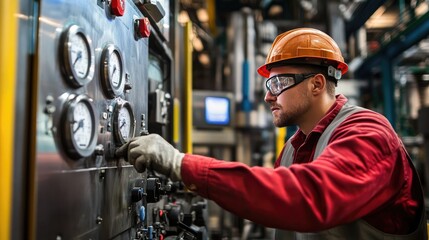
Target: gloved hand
{"x":154,"y":152}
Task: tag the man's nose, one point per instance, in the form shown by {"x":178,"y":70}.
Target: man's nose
{"x":269,"y":97}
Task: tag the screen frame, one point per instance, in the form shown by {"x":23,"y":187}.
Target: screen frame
{"x":210,"y":115}
{"x":200,"y":108}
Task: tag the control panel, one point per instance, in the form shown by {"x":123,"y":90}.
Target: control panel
{"x":93,"y":96}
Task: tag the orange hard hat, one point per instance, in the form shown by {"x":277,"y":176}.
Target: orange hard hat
{"x":304,"y":45}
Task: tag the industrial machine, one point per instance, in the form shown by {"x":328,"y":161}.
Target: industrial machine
{"x":98,"y":77}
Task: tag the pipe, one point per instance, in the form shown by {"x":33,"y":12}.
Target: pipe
{"x":187,"y":145}
{"x":8,"y":60}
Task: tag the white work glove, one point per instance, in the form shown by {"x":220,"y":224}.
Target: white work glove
{"x":153,"y":152}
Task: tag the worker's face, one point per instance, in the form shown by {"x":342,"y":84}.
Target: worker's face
{"x":289,"y":99}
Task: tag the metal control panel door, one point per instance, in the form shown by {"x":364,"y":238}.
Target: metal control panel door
{"x":92,"y":97}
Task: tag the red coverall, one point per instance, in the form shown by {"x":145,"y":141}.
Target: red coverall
{"x":362,"y":174}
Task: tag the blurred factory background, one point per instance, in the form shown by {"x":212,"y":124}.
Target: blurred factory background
{"x":174,"y":59}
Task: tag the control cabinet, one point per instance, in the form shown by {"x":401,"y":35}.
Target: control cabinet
{"x":92,"y":98}
{"x":92,"y":88}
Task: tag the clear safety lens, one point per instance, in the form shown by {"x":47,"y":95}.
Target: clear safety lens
{"x":277,"y":83}
{"x":280,"y":83}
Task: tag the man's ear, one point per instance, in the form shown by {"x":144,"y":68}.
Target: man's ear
{"x":318,"y":83}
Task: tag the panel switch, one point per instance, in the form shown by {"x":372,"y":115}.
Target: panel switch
{"x":142,"y":27}
{"x":117,"y":7}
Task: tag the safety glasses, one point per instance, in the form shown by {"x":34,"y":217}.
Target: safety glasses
{"x":282,"y":82}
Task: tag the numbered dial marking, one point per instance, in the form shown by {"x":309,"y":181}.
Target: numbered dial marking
{"x":123,"y":122}
{"x":82,"y":125}
{"x":79,"y":126}
{"x":77,"y":61}
{"x":112,"y":71}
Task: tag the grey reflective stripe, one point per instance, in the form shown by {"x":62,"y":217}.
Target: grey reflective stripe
{"x":346,"y":110}
{"x":287,"y":157}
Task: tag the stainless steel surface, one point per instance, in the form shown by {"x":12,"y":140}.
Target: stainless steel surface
{"x":87,"y":197}
{"x":26,"y":45}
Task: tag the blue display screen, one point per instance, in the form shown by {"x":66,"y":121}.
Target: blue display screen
{"x":217,"y":110}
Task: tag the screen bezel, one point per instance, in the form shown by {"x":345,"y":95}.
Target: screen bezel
{"x":226,"y":111}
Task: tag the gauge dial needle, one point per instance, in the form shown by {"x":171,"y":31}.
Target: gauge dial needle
{"x":114,"y":70}
{"x":79,"y":125}
{"x":79,"y":56}
{"x":123,"y":124}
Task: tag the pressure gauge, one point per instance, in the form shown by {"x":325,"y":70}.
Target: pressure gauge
{"x":123,"y":122}
{"x":112,"y":71}
{"x":77,"y":59}
{"x":79,"y":126}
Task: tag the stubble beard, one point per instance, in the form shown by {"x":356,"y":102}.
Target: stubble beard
{"x":282,"y":120}
{"x":291,"y":116}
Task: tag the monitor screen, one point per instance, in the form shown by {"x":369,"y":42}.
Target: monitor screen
{"x":217,"y":110}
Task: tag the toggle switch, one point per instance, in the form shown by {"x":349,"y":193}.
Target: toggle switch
{"x":117,"y":7}
{"x":142,"y":27}
{"x":142,"y":213}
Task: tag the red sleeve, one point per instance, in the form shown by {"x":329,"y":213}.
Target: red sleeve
{"x":356,"y":174}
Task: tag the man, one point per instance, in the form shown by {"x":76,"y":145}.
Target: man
{"x":344,"y":174}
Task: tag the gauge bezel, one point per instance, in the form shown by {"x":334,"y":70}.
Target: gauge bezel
{"x":67,"y":63}
{"x":119,"y":140}
{"x":106,"y":80}
{"x":69,"y":143}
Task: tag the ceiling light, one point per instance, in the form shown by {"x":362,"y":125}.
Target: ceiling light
{"x":421,"y":9}
{"x":202,"y":15}
{"x":204,"y":59}
{"x":183,"y":17}
{"x":198,"y":45}
{"x":275,"y":10}
{"x":381,"y":19}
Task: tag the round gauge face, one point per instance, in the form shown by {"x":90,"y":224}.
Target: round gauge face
{"x":123,"y":122}
{"x":78,"y":58}
{"x":115,"y":70}
{"x":79,"y":55}
{"x":78,"y":131}
{"x":112,"y":71}
{"x":82,"y":125}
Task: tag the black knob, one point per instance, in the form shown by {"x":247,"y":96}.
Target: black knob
{"x":153,"y":186}
{"x":137,"y":194}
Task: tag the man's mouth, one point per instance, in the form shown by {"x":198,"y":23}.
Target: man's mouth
{"x":274,"y":108}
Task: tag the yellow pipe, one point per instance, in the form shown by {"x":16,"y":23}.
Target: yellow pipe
{"x":176,"y":121}
{"x":280,"y":140}
{"x":211,"y":10}
{"x":8,"y":58}
{"x":188,"y":89}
